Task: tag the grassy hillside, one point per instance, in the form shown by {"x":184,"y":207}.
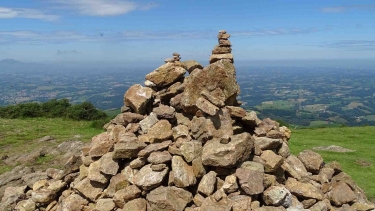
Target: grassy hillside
{"x":359,"y":164}
{"x":20,"y":135}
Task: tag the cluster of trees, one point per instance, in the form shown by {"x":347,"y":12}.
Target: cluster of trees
{"x":53,"y":109}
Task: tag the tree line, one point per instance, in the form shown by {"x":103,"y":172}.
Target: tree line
{"x":53,"y":109}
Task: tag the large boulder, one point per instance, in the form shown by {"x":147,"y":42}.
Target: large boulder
{"x":227,"y":155}
{"x":169,"y":198}
{"x":219,"y":79}
{"x":148,"y":179}
{"x":138,"y":98}
{"x":166,"y":74}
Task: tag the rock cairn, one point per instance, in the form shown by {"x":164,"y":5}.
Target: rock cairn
{"x":223,"y":50}
{"x":176,"y":58}
{"x":183,"y":143}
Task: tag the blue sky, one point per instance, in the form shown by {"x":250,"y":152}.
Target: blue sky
{"x":121,"y":30}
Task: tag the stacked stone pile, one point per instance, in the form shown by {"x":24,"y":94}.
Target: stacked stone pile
{"x":223,"y":50}
{"x":183,"y":143}
{"x":176,"y":57}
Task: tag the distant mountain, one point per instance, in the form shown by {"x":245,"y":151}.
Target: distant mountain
{"x":10,"y":61}
{"x":12,"y":65}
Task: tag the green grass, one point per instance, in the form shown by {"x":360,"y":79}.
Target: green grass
{"x":20,"y":135}
{"x":360,"y":139}
{"x":318,"y":123}
{"x":113,"y":112}
{"x":278,"y":104}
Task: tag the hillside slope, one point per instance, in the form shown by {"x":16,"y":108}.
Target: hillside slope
{"x":358,"y":164}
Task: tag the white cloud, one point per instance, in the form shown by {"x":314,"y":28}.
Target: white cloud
{"x":103,"y":7}
{"x":339,"y":9}
{"x":34,"y":37}
{"x":26,"y":13}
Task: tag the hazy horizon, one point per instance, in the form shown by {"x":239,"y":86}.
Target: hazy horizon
{"x":121,"y":30}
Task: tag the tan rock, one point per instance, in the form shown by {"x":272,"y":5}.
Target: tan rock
{"x":256,"y":166}
{"x":126,"y":118}
{"x":214,"y":98}
{"x":168,"y":198}
{"x":101,"y":144}
{"x":166,"y":74}
{"x":148,"y":179}
{"x":221,"y":50}
{"x":129,"y":174}
{"x":182,"y":119}
{"x":137,"y":163}
{"x":127,"y":194}
{"x":230,"y":184}
{"x":153,"y":148}
{"x":164,"y":112}
{"x":319,"y":206}
{"x":43,"y":196}
{"x":210,"y":204}
{"x":95,"y":175}
{"x":158,"y":167}
{"x":250,"y":181}
{"x":26,"y":205}
{"x":180,"y":131}
{"x":362,"y":206}
{"x":217,"y":57}
{"x":341,"y":194}
{"x":227,"y":155}
{"x":266,"y":143}
{"x":206,"y":106}
{"x":105,"y":205}
{"x":251,"y":119}
{"x":295,"y":167}
{"x":139,"y":204}
{"x":272,"y":161}
{"x":303,"y":190}
{"x":198,"y":168}
{"x":191,"y":150}
{"x":116,"y":183}
{"x":312,"y":160}
{"x":160,"y":132}
{"x":107,"y":165}
{"x":182,"y":175}
{"x":224,"y":42}
{"x":159,"y":157}
{"x":207,"y":183}
{"x":284,"y":150}
{"x":138,"y":98}
{"x":72,"y":202}
{"x":235,"y":111}
{"x":190,"y":65}
{"x":91,"y":190}
{"x":220,"y":75}
{"x":127,"y":150}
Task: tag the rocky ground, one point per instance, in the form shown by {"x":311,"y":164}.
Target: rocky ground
{"x":184,"y":143}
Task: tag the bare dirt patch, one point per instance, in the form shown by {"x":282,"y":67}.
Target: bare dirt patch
{"x":333,"y":148}
{"x":363,"y":163}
